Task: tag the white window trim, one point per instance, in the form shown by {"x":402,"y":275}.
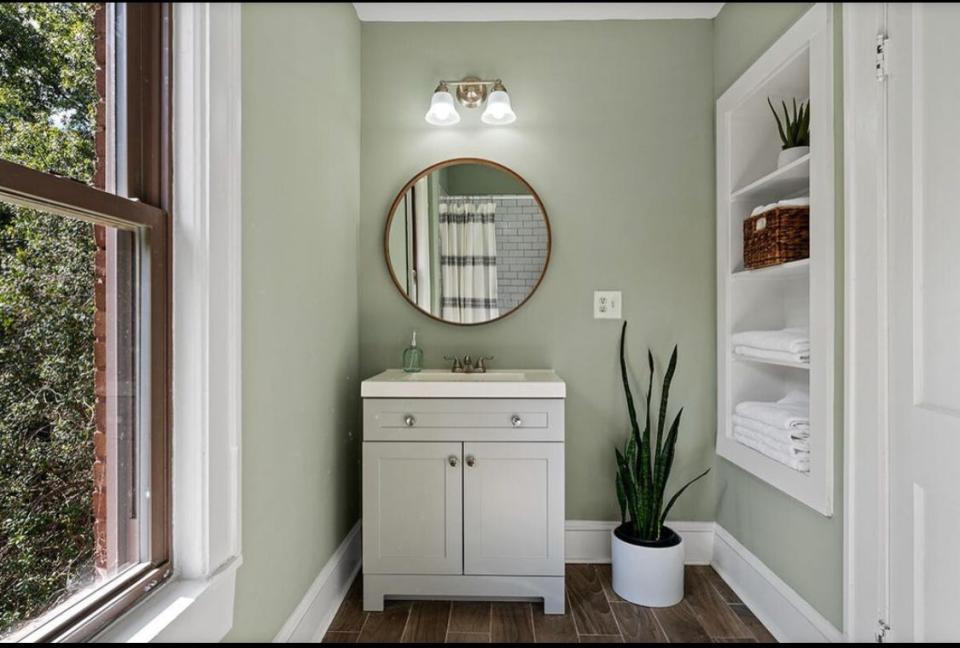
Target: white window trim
{"x":197,"y":603}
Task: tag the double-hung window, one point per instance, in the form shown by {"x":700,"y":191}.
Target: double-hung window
{"x":84,"y":314}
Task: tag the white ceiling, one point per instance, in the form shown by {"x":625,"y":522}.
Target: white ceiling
{"x":510,"y":11}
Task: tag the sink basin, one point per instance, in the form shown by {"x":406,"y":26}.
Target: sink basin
{"x":449,"y":376}
{"x":437,"y":383}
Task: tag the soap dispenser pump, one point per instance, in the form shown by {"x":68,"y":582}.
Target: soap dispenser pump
{"x":413,"y":356}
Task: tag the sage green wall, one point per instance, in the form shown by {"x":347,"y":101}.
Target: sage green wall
{"x":801,"y":546}
{"x":301,"y":148}
{"x":745,"y":30}
{"x":615,"y":132}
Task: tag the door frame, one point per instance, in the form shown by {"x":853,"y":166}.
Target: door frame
{"x":866,"y":429}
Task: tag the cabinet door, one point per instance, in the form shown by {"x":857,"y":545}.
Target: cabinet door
{"x":513,"y":509}
{"x":412,"y":508}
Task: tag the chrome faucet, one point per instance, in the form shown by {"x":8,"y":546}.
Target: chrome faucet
{"x":457,"y":365}
{"x":466,"y":365}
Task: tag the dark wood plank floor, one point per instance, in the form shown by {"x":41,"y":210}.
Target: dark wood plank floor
{"x":709,"y":613}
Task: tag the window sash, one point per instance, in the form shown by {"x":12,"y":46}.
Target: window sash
{"x":147,"y":170}
{"x":83,"y":617}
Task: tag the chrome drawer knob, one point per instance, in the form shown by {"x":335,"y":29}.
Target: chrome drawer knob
{"x":409,"y":420}
{"x":516,"y":421}
{"x":471,"y":461}
{"x":452,"y":460}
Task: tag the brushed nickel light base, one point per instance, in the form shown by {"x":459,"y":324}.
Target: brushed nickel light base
{"x":472,"y":91}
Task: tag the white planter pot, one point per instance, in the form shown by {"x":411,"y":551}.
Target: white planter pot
{"x":648,"y":576}
{"x":791,"y":155}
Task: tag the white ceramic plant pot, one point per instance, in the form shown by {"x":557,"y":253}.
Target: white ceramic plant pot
{"x":791,"y":155}
{"x":651,"y":576}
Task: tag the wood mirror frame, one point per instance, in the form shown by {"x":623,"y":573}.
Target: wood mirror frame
{"x":436,"y":167}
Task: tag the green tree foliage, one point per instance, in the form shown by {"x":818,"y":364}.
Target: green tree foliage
{"x":47,"y":116}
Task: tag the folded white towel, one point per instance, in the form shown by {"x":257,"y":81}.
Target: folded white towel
{"x":794,"y":435}
{"x":802,"y":201}
{"x":764,"y":354}
{"x":762,"y":208}
{"x":796,"y":397}
{"x":790,"y":448}
{"x":790,"y":340}
{"x":787,"y":415}
{"x":798,"y":463}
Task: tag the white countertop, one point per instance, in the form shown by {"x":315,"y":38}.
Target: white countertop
{"x":441,"y":383}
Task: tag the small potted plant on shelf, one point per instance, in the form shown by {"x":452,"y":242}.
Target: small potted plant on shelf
{"x":648,"y":556}
{"x":794,"y":131}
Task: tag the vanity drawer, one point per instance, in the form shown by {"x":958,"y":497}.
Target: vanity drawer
{"x":464,"y":419}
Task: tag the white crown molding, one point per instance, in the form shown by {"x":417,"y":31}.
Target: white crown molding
{"x":532,"y":11}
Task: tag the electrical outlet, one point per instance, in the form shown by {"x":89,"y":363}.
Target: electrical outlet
{"x":607,"y":304}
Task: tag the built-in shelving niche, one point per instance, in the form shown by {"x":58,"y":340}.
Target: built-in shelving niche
{"x":801,"y":293}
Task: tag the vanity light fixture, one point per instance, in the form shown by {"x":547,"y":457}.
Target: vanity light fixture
{"x":442,"y":111}
{"x":471,"y":93}
{"x":498,"y":110}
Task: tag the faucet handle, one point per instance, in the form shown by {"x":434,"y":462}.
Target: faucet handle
{"x":457,"y":367}
{"x":482,"y":363}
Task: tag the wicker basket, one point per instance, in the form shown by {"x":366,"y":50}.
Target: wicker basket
{"x":778,"y":235}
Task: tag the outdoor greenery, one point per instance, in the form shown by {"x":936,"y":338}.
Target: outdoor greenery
{"x":644,"y":468}
{"x":47,"y":115}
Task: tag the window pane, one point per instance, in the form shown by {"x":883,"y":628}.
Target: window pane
{"x":54,"y":81}
{"x":69,"y":421}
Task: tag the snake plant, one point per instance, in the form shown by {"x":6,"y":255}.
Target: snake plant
{"x":795,"y":129}
{"x":643,"y":467}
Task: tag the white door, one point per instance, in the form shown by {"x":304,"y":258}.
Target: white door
{"x":513,"y":509}
{"x":923,"y":190}
{"x":412,"y":498}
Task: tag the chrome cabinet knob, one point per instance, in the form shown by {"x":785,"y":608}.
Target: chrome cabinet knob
{"x":516,"y":421}
{"x":452,"y":460}
{"x":409,"y":420}
{"x":471,"y":461}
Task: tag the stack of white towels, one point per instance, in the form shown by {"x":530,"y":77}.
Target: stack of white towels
{"x":779,"y":430}
{"x":784,"y":345}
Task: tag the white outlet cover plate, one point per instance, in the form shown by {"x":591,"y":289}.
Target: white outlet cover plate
{"x":607,"y":304}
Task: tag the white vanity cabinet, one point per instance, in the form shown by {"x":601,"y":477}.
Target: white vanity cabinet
{"x":463,"y":497}
{"x":413,"y":506}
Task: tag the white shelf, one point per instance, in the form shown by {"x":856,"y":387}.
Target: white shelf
{"x":800,"y":293}
{"x":778,"y":363}
{"x":784,"y":182}
{"x":781,"y":271}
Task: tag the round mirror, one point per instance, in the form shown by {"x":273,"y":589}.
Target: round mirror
{"x":467,"y":241}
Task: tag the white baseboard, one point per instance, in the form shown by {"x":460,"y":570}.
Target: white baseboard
{"x":588,"y":541}
{"x":313,"y":615}
{"x":784,"y":612}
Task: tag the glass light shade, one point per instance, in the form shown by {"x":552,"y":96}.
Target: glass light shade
{"x":498,"y":110}
{"x":442,"y":111}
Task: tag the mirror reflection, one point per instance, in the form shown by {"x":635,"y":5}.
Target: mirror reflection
{"x":467,"y":242}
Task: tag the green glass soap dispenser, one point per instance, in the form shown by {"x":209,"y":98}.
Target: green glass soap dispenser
{"x":413,"y":356}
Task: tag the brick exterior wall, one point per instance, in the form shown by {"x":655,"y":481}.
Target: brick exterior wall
{"x":100,"y":305}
